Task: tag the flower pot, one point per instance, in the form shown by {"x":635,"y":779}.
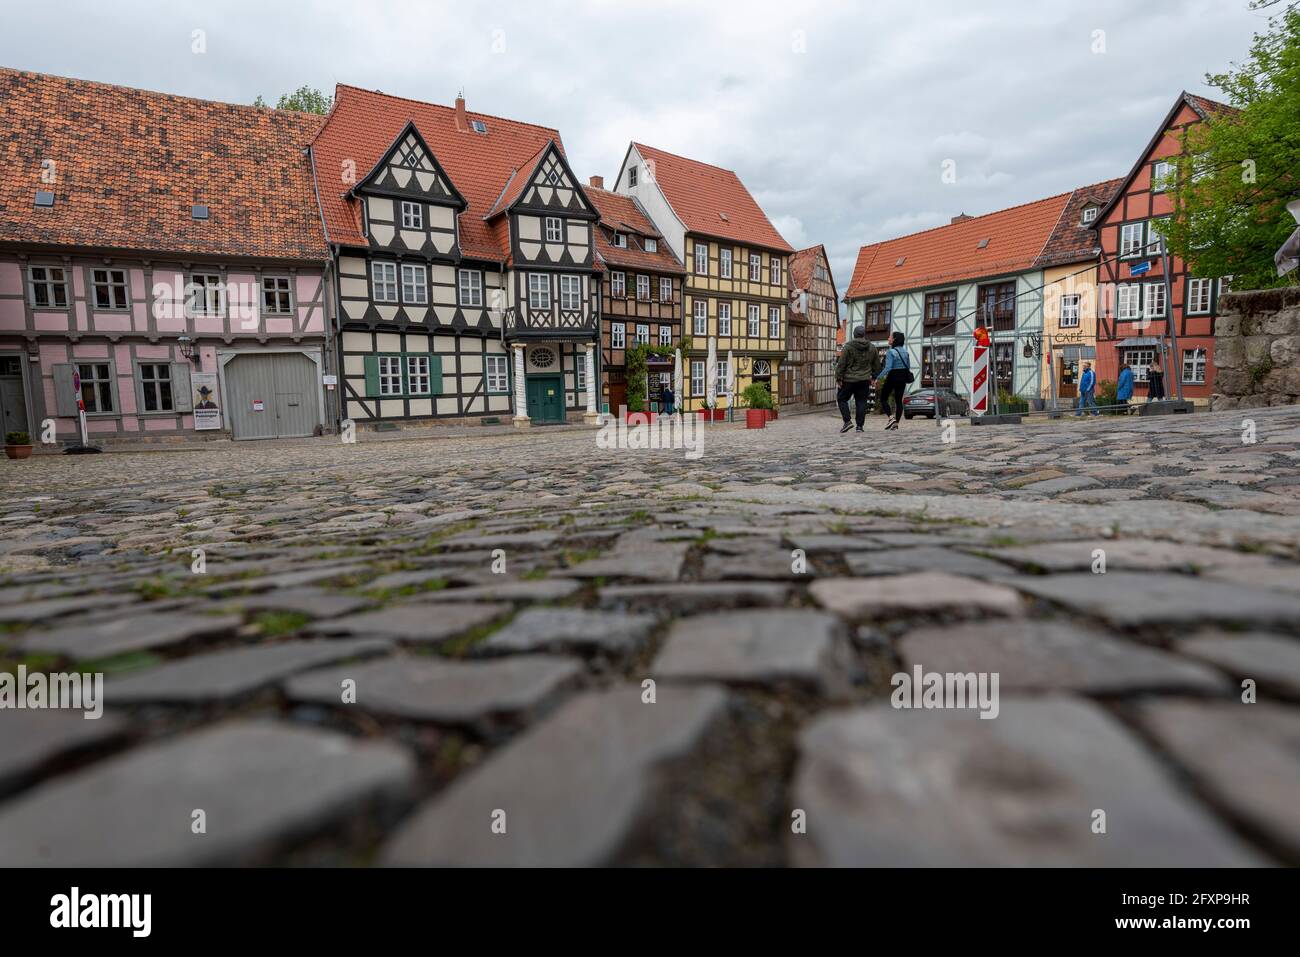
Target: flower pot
{"x":756,"y":418}
{"x":18,"y":451}
{"x":638,"y":418}
{"x":771,"y":414}
{"x":719,"y":415}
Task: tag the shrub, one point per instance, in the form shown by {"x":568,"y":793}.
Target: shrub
{"x":1106,"y":391}
{"x":757,"y":396}
{"x":17,"y":438}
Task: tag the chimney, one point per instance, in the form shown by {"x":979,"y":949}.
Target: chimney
{"x":960,"y":218}
{"x":598,"y":182}
{"x":461,"y":123}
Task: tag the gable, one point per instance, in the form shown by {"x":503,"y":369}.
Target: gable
{"x":551,"y":186}
{"x":410,"y":169}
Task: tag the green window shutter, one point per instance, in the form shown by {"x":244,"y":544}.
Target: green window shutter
{"x":65,"y":398}
{"x":182,"y":396}
{"x":372,"y":375}
{"x":435,"y":375}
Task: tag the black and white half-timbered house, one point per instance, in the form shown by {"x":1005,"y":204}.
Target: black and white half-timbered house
{"x":466,"y":283}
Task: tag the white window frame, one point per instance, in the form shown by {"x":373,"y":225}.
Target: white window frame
{"x":724,"y":319}
{"x":412,"y":215}
{"x":383,"y":281}
{"x":469,"y":286}
{"x":1070,"y":306}
{"x":114,"y":286}
{"x":773,"y":322}
{"x":1200,"y":296}
{"x":643,"y":333}
{"x":1128,"y":301}
{"x":390,"y":375}
{"x":1155,"y":241}
{"x":415,"y":284}
{"x":643,"y":288}
{"x":755,"y":319}
{"x":571,"y":293}
{"x":720,"y":370}
{"x":1132,"y":354}
{"x":776,"y":271}
{"x":1198,"y":359}
{"x":651,"y":245}
{"x":665,"y":289}
{"x":665,"y":335}
{"x":54,"y":288}
{"x":724,"y":263}
{"x":547,"y":223}
{"x":207,"y":287}
{"x":700,"y":317}
{"x":417,"y":371}
{"x":618,"y":285}
{"x":619,"y":241}
{"x":281,"y":289}
{"x":617,"y":335}
{"x":1154,"y":291}
{"x":1089,"y":215}
{"x":539,"y":292}
{"x":95,"y":381}
{"x":701,"y":259}
{"x":1157,"y":177}
{"x":1131,"y":247}
{"x":755,"y":267}
{"x":699,"y":387}
{"x":497,"y":371}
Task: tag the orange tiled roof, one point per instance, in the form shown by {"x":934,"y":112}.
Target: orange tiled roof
{"x":624,"y":214}
{"x":953,"y":253}
{"x":802,"y":263}
{"x":364,"y":124}
{"x":1072,"y":241}
{"x":128,"y":164}
{"x":701,"y":194}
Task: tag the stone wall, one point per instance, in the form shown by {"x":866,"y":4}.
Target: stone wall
{"x":1257,"y":349}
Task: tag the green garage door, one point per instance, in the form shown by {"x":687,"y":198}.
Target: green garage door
{"x":272,"y":396}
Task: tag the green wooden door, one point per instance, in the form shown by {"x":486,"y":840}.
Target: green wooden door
{"x":545,"y":399}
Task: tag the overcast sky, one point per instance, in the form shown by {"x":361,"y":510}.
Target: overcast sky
{"x":838,"y":116}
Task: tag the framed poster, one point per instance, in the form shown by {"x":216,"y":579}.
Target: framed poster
{"x":207,"y":406}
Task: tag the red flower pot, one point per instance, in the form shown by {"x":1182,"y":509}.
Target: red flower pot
{"x":756,"y":418}
{"x":719,"y":415}
{"x":638,"y":418}
{"x":18,"y":451}
{"x":704,"y":414}
{"x":771,"y":414}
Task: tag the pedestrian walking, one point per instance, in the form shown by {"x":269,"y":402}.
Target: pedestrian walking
{"x":1087,"y":391}
{"x":896,"y":375}
{"x":854,"y":370}
{"x":1124,"y":390}
{"x":1155,"y":381}
{"x":668,"y":399}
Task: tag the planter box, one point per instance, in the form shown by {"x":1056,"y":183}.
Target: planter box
{"x":719,"y":415}
{"x":772,"y":414}
{"x":638,"y":418}
{"x":756,"y":418}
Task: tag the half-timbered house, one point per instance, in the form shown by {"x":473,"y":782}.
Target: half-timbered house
{"x":1136,"y":322}
{"x":641,"y":299}
{"x":736,"y":293}
{"x":808,"y":373}
{"x":169,"y":292}
{"x":467,"y":281}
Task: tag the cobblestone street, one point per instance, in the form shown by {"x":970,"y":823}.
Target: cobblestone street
{"x":437,"y":651}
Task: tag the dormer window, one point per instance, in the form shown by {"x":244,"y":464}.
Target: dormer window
{"x":412,"y":215}
{"x":1089,"y":214}
{"x":651,"y":245}
{"x":620,"y":240}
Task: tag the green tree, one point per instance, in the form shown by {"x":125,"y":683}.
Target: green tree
{"x":305,"y":99}
{"x":1238,"y":171}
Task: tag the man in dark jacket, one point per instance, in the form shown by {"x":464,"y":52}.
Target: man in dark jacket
{"x":856,"y":367}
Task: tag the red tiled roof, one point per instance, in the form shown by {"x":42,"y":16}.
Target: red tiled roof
{"x":624,"y":214}
{"x":700,"y":194}
{"x":364,"y":123}
{"x":520,"y":177}
{"x":1072,"y":241}
{"x":1207,"y":107}
{"x":129,"y":164}
{"x":802,"y":263}
{"x":952,"y":253}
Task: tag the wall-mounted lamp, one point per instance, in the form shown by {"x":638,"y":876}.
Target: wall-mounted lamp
{"x":187,"y":348}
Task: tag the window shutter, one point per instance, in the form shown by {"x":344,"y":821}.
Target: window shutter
{"x":182,"y":394}
{"x":65,"y":399}
{"x":372,"y":375}
{"x":435,"y":375}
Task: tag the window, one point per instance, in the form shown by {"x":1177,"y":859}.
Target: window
{"x":940,"y":309}
{"x":697,"y":378}
{"x":1129,"y":302}
{"x":539,"y":291}
{"x":631,"y":176}
{"x":1161,"y":176}
{"x":390,"y":375}
{"x":617,"y":335}
{"x":936,"y":360}
{"x":1194,"y":365}
{"x":49,"y":287}
{"x":205,"y":294}
{"x":470,"y":282}
{"x":417,"y":375}
{"x":554,"y":232}
{"x":776,"y":271}
{"x":1198,"y":296}
{"x":878,"y":315}
{"x":651,"y":245}
{"x":665,"y":289}
{"x":701,"y":317}
{"x":724,"y":263}
{"x":498,"y":375}
{"x":618,"y":285}
{"x":96,"y":386}
{"x":724,"y":318}
{"x":1004,"y":365}
{"x":1069,"y":311}
{"x":478,"y":125}
{"x":570,"y":293}
{"x":412,"y":215}
{"x":665,"y":335}
{"x":1225,"y":285}
{"x":1130,"y":239}
{"x":1089,"y":214}
{"x":156,"y":387}
{"x":276,"y":300}
{"x":108,"y":287}
{"x":1202,"y":167}
{"x":755,"y":267}
{"x":1155,"y":236}
{"x":1139,"y":361}
{"x":414,"y":288}
{"x":773,"y":322}
{"x":755,"y":321}
{"x":1155,"y":300}
{"x":722,"y":375}
{"x":997,"y":306}
{"x":383,"y":279}
{"x":643,"y":287}
{"x":701,"y":259}
{"x":619,"y":240}
{"x":643,"y":334}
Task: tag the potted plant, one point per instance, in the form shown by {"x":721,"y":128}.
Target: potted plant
{"x":757,"y":395}
{"x":18,"y":445}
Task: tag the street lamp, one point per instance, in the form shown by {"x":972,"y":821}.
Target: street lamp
{"x":187,"y":348}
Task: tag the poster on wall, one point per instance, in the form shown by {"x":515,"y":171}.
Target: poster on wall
{"x":207,"y":407}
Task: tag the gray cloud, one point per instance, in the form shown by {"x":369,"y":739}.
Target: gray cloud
{"x":838,"y":116}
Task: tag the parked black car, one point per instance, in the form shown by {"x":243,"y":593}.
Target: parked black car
{"x":926,"y":401}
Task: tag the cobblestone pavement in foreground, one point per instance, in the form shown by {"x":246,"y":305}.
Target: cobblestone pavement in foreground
{"x":518,"y":702}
